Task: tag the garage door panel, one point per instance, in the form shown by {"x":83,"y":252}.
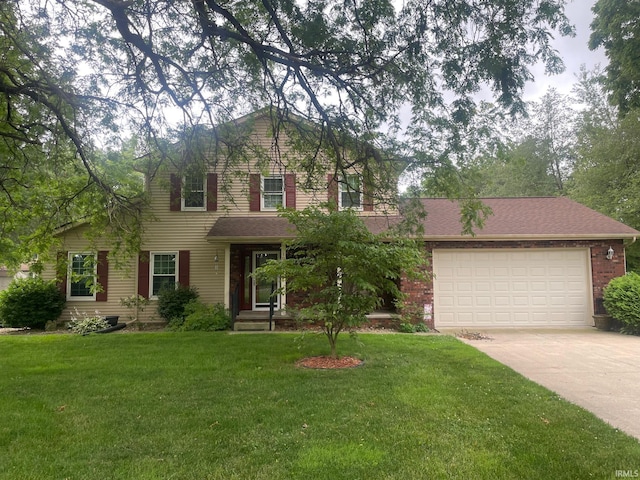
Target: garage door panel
{"x":464,"y":272}
{"x":521,"y":318}
{"x":538,"y":272}
{"x":518,"y":272}
{"x":520,"y":301}
{"x":502,"y":301}
{"x":447,"y":286}
{"x":537,"y":286}
{"x":500,"y":272}
{"x":574,"y":286}
{"x":482,"y":301}
{"x":575,"y":300}
{"x":464,"y":301}
{"x":511,"y":287}
{"x":539,"y":301}
{"x":446,"y":301}
{"x":482,"y":272}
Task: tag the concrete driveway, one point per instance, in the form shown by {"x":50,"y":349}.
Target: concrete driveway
{"x":600,"y":371}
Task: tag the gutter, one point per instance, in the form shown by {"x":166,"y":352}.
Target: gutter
{"x":520,"y":237}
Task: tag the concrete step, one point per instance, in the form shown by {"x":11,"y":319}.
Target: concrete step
{"x":255,"y":325}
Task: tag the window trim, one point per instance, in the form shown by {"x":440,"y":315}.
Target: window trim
{"x":81,"y":298}
{"x":262,"y":192}
{"x":342,"y":188}
{"x":183,"y":192}
{"x":152,"y":260}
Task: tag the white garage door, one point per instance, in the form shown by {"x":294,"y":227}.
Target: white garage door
{"x":511,"y":288}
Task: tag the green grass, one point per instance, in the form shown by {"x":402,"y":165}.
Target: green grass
{"x":220,"y":406}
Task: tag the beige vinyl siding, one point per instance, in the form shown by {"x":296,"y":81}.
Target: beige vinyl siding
{"x":179,"y":231}
{"x":233,"y":181}
{"x":122,"y":283}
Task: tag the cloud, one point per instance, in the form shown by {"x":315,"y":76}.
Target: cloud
{"x":573,"y":50}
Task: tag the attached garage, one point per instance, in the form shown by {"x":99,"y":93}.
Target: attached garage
{"x":512,"y":288}
{"x":535,"y":262}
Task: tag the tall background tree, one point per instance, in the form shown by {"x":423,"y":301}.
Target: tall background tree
{"x":84,"y":71}
{"x":606,"y":176}
{"x":534,"y":156}
{"x":616,"y":28}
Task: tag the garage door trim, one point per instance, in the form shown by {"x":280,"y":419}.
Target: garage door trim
{"x":512,"y":287}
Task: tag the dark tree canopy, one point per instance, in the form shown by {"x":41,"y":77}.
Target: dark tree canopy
{"x":616,"y":28}
{"x":76,"y":75}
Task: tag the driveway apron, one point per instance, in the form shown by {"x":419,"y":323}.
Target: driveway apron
{"x":599,"y":371}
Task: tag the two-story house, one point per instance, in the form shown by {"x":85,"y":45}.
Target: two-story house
{"x":213,"y":219}
{"x":536,"y":261}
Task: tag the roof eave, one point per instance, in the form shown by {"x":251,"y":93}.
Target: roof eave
{"x":515,"y":237}
{"x":236,"y":239}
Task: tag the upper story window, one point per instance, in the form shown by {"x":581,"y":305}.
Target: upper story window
{"x":82,"y":276}
{"x":272,"y":192}
{"x":350,"y":192}
{"x":194,"y":192}
{"x":164,"y":270}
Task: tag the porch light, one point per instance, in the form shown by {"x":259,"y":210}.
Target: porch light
{"x":215,"y":261}
{"x":610,"y":253}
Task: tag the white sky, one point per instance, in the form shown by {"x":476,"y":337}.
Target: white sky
{"x":573,"y":50}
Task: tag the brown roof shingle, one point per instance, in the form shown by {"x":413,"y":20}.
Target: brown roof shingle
{"x":271,"y":227}
{"x":525,"y":217}
{"x":530,"y":217}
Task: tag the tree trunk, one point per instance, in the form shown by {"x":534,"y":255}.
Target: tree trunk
{"x":332,"y":337}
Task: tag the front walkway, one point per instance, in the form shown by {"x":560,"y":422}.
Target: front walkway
{"x":600,"y":371}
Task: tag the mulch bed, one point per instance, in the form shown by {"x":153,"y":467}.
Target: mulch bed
{"x":327,"y":363}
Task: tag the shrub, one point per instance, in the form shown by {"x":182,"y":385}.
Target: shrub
{"x":622,"y":301}
{"x":208,"y":318}
{"x":137,"y":303}
{"x":422,"y":327}
{"x":412,"y":318}
{"x":407,"y":327}
{"x":83,"y":324}
{"x":30,"y":302}
{"x":171,"y":302}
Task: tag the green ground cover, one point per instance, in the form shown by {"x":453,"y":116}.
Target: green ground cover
{"x":222,"y":406}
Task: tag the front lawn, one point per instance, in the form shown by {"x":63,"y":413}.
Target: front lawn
{"x":221,"y":406}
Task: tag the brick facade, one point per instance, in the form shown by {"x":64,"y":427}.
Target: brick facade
{"x":603,"y":270}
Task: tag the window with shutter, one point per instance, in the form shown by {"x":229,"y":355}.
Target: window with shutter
{"x":81,"y":276}
{"x":272,"y":192}
{"x":350,"y":192}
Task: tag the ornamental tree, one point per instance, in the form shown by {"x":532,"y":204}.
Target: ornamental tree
{"x":341,"y":268}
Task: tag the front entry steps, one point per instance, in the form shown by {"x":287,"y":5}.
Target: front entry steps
{"x":253,"y":326}
{"x":258,"y":320}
